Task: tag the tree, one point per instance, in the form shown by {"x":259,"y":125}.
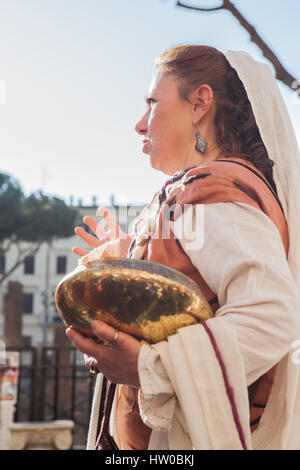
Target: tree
{"x":33,"y":219}
{"x":281,"y":73}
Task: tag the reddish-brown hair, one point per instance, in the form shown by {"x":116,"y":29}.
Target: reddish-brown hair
{"x":236,"y":131}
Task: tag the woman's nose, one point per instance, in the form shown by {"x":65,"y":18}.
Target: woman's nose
{"x":141,"y":127}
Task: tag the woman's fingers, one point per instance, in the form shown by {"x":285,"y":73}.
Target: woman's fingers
{"x":117,"y":359}
{"x":92,"y":241}
{"x":83,"y":344}
{"x":105,"y":332}
{"x":79,"y":251}
{"x":112,"y":225}
{"x":94,"y":226}
{"x":102,"y":235}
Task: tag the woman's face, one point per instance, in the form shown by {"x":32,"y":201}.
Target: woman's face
{"x":167,"y":126}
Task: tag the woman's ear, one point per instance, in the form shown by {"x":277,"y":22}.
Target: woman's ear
{"x":204,"y":95}
{"x":202,"y":99}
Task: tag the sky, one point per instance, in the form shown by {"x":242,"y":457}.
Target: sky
{"x":74,"y":74}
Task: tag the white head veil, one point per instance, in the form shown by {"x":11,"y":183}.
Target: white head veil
{"x":282,"y":415}
{"x":279,"y":138}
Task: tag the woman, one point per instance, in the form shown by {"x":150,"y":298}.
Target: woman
{"x":217,"y":123}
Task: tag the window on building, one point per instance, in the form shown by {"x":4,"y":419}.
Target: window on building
{"x":2,"y":264}
{"x":27,"y":341}
{"x":29,"y":265}
{"x":61,"y":265}
{"x":28,"y":303}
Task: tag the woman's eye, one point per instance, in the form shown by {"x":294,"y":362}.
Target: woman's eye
{"x":151,"y":100}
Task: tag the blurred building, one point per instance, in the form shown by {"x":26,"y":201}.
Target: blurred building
{"x":41,"y":273}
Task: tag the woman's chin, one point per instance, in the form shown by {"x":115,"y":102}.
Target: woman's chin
{"x":157,"y":166}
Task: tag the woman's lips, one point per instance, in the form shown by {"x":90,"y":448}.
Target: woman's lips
{"x":145,"y":142}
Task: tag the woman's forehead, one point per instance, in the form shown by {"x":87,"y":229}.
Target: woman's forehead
{"x":162,"y":83}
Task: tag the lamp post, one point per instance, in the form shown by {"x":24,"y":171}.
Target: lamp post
{"x":46,"y":297}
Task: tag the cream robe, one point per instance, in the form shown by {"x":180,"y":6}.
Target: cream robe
{"x":183,"y":397}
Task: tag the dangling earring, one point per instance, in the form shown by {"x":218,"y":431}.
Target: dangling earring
{"x":201,"y":143}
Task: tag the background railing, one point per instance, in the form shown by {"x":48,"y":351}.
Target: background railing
{"x":54,"y":384}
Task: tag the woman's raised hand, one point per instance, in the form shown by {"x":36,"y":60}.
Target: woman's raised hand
{"x":103,"y":235}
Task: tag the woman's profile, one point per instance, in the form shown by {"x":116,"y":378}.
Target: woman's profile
{"x":216,"y":124}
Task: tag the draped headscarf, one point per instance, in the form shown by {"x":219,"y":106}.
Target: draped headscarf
{"x":277,"y":133}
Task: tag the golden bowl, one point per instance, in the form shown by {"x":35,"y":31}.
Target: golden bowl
{"x":145,"y":299}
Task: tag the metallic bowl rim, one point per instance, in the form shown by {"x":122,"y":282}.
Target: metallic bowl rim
{"x":151,"y":267}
